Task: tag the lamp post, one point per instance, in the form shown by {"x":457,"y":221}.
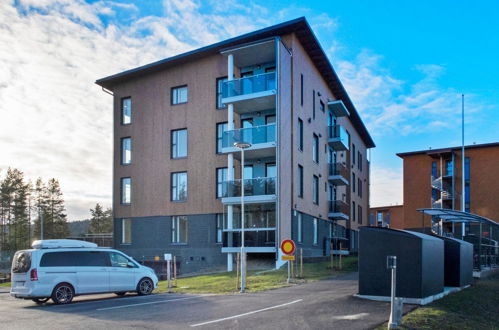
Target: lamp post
{"x":242,"y":145}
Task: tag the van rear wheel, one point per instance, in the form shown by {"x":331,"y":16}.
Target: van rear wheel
{"x":40,"y":300}
{"x":145,"y":287}
{"x":63,"y":294}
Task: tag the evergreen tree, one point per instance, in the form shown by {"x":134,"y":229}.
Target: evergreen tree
{"x":41,"y":204}
{"x":57,"y":222}
{"x":101,"y":221}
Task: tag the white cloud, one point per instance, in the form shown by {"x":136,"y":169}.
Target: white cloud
{"x":386,"y":186}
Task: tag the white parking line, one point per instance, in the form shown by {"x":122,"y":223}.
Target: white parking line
{"x":244,"y":314}
{"x":149,"y":303}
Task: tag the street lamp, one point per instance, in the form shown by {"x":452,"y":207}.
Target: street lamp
{"x":242,"y":145}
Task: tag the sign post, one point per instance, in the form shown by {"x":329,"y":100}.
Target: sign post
{"x":288,"y":248}
{"x":396,"y":303}
{"x":168,"y":258}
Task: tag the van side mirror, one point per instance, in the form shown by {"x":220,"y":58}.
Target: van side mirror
{"x":130,"y":265}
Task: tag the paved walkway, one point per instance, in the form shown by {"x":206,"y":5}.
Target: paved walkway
{"x":327,"y":304}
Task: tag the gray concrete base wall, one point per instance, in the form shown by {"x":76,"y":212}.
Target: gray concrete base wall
{"x":151,"y":237}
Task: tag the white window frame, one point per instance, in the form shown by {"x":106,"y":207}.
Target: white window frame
{"x":299,"y":222}
{"x":123,"y":231}
{"x":176,"y":234}
{"x":178,"y":94}
{"x":316,"y":231}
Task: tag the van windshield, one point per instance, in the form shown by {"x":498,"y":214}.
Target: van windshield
{"x":21,"y":263}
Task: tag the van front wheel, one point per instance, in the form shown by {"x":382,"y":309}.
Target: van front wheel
{"x":145,"y":287}
{"x":63,"y":294}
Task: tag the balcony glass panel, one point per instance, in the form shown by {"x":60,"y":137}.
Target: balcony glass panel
{"x":260,"y":238}
{"x":340,"y":133}
{"x":253,"y":135}
{"x":252,"y":187}
{"x":339,"y":207}
{"x":249,"y":85}
{"x":338,"y":169}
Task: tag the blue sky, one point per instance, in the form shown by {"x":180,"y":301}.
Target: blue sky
{"x":404,"y":64}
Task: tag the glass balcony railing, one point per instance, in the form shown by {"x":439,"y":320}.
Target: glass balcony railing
{"x":249,"y":85}
{"x":339,"y":207}
{"x":338,"y":169}
{"x":253,"y":135}
{"x":338,"y":134}
{"x":252,"y":187}
{"x":253,"y":238}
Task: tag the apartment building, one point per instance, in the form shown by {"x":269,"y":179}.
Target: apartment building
{"x":387,"y":216}
{"x":179,"y":124}
{"x":433,"y":179}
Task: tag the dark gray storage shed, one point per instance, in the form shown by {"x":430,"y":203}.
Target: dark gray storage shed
{"x":458,"y":256}
{"x":420,"y":263}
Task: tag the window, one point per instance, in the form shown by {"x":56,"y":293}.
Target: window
{"x":353,"y":182}
{"x":219,"y":225}
{"x":467,"y":169}
{"x":221,"y":128}
{"x":126,"y":190}
{"x":126,"y":151}
{"x":353,"y":153}
{"x":315,"y":193}
{"x":126,"y":231}
{"x":118,"y":260}
{"x":299,"y":225}
{"x":300,"y":181}
{"x":57,"y":259}
{"x":315,"y":149}
{"x":179,"y":229}
{"x":353,"y":211}
{"x":379,"y":218}
{"x":179,"y":187}
{"x":434,"y":169}
{"x":222,"y":175}
{"x":301,"y":89}
{"x":313,"y":104}
{"x":316,"y":232}
{"x":359,"y":214}
{"x":220,"y":82}
{"x":126,"y":111}
{"x":300,"y":134}
{"x":322,"y":106}
{"x":359,"y":161}
{"x":359,"y":187}
{"x":179,"y":95}
{"x":449,"y":167}
{"x":179,"y":143}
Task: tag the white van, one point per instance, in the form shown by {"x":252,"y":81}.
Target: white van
{"x":62,"y":269}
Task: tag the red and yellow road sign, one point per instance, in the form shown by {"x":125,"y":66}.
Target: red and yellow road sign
{"x":287,"y":246}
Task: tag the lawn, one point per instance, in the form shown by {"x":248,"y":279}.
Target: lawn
{"x":225,"y":283}
{"x":473,"y":308}
{"x":6,"y":284}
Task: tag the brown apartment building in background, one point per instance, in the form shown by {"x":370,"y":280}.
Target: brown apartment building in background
{"x":433,"y":179}
{"x":177,"y":172}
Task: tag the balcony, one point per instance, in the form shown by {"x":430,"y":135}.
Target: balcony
{"x":339,"y":210}
{"x":338,"y":108}
{"x":255,"y":240}
{"x":338,"y":174}
{"x":262,"y":139}
{"x":257,"y":190}
{"x":249,"y":94}
{"x":338,"y":138}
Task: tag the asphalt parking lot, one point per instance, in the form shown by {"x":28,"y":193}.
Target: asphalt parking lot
{"x":319,"y":305}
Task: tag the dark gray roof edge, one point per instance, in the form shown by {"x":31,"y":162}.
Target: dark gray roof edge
{"x":470,"y":146}
{"x":206,"y":49}
{"x":274,"y":30}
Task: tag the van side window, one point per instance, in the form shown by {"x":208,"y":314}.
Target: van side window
{"x":92,"y":259}
{"x":58,"y":259}
{"x":117,"y":260}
